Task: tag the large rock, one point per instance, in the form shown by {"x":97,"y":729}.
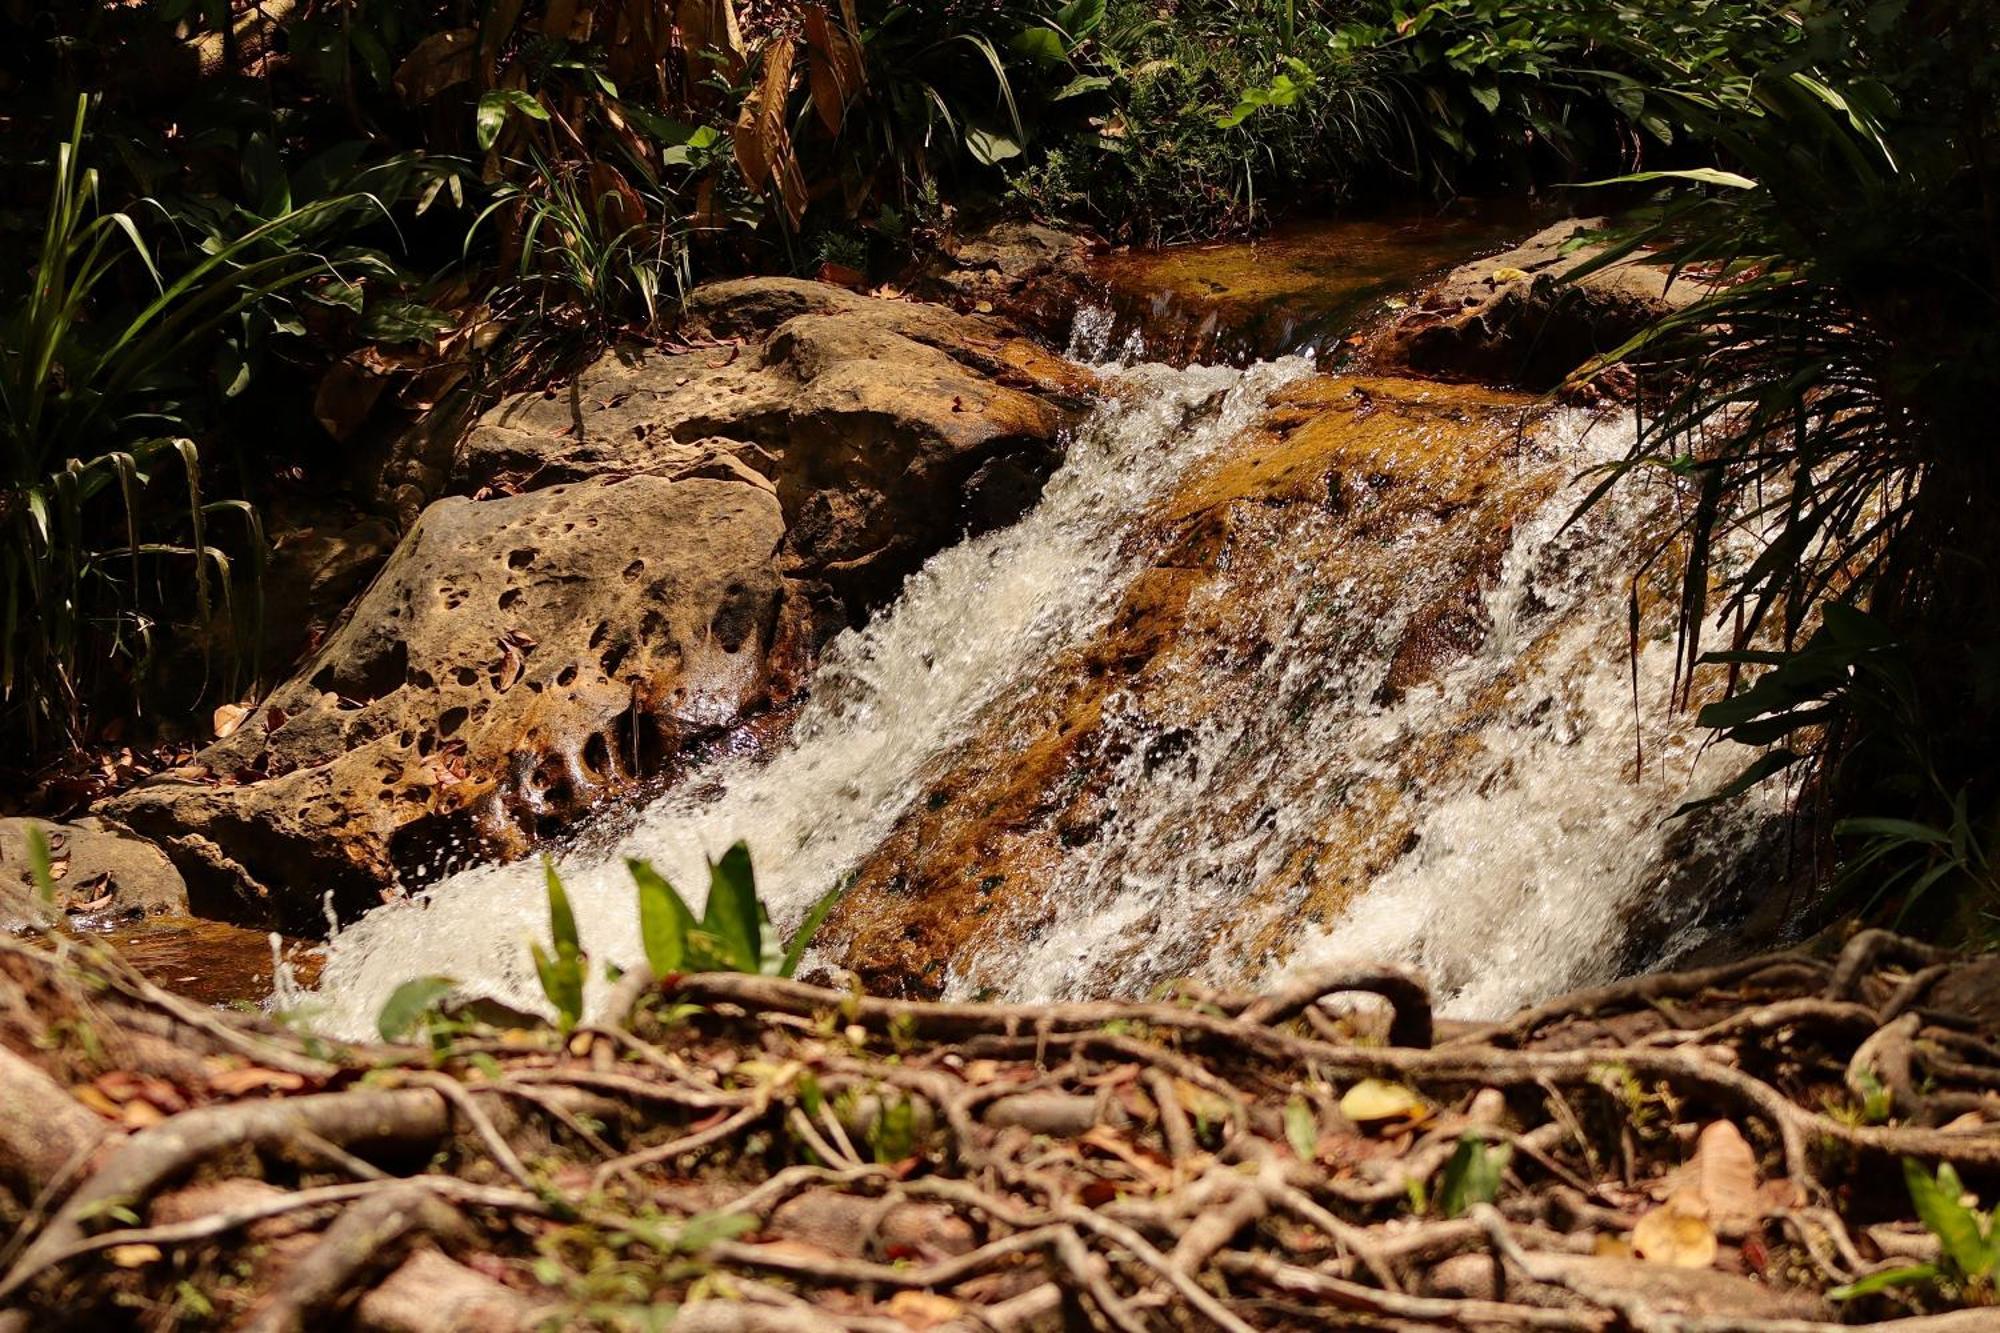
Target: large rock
{"x":100,"y":872}
{"x":1514,"y":319}
{"x":887,"y":428}
{"x":634,"y":564}
{"x":517,"y":658}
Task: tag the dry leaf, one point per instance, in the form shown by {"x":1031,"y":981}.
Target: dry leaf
{"x":1723,"y":1173}
{"x":236,"y":1082}
{"x":760,"y":139}
{"x":98,"y":1102}
{"x":134,"y":1256}
{"x":228,"y":717}
{"x":922,"y":1309}
{"x":1373,"y":1099}
{"x":1670,"y":1234}
{"x":440,"y":61}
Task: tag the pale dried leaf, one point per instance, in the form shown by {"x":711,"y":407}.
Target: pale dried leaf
{"x":1723,"y":1173}
{"x":923,"y":1309}
{"x":1670,"y":1235}
{"x":228,"y":717}
{"x":1373,"y":1099}
{"x":761,"y":141}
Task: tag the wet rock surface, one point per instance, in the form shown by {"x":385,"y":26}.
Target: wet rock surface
{"x":1511,"y":320}
{"x":634,"y":564}
{"x":1336,"y":477}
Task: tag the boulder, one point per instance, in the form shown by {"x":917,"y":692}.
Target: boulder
{"x":100,"y":871}
{"x":516,"y":659}
{"x":1034,"y":274}
{"x":631,"y":565}
{"x":886,"y":428}
{"x":1512,"y":319}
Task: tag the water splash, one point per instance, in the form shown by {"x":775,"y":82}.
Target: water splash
{"x":975,"y":621}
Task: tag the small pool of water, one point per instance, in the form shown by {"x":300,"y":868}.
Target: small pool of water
{"x":208,"y":961}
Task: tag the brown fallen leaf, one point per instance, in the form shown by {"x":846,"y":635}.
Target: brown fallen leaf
{"x":1723,"y":1174}
{"x":254,"y":1078}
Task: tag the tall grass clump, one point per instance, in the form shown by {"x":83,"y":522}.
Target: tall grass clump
{"x":105,"y":527}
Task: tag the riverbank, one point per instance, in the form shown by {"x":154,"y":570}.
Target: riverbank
{"x":1681,"y":1152}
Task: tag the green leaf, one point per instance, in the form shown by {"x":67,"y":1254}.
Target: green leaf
{"x":1699,"y":175}
{"x":39,"y":868}
{"x":731,"y":914}
{"x":990,"y":146}
{"x":1487,"y":96}
{"x":1302,"y":1128}
{"x":1080,"y":87}
{"x":404,"y":322}
{"x":705,"y":1229}
{"x":491,"y":115}
{"x":1044,"y":46}
{"x":562,"y":921}
{"x":802,"y":937}
{"x":1893,"y":1277}
{"x":409,"y":1004}
{"x":1080,"y":18}
{"x":1941,"y":1208}
{"x":664,"y":920}
{"x":1472,"y":1175}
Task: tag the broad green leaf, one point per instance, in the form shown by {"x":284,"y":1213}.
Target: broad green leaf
{"x":409,"y":1003}
{"x":1080,"y":18}
{"x":1302,"y":1128}
{"x":731,"y":914}
{"x":989,"y":146}
{"x":1940,"y":1206}
{"x":1044,"y":46}
{"x":491,"y":115}
{"x":1473,"y":1175}
{"x":664,"y":920}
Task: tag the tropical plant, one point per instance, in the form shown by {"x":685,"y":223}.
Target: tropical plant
{"x":734,"y":932}
{"x":96,"y":397}
{"x":1968,"y":1262}
{"x":1823,"y":404}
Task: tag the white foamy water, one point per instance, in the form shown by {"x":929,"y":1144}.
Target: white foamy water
{"x":1534,"y":845}
{"x":1529,"y":855}
{"x":976,"y":620}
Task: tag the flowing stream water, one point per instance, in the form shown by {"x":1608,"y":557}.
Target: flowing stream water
{"x":1527,"y":861}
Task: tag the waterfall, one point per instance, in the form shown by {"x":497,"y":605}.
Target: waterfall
{"x":887,"y":699}
{"x":1526,"y":854}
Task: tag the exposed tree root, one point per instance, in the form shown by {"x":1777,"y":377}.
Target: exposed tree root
{"x":768,"y":1155}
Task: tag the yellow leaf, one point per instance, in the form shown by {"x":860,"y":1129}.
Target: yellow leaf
{"x":134,"y":1256}
{"x":1374,"y":1099}
{"x":1671,"y":1235}
{"x":1510,"y":275}
{"x":923,"y":1309}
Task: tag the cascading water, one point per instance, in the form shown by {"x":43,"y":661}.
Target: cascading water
{"x":1527,"y":838}
{"x":978,"y":619}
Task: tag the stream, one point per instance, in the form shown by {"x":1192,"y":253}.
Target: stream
{"x":1288,"y":664}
